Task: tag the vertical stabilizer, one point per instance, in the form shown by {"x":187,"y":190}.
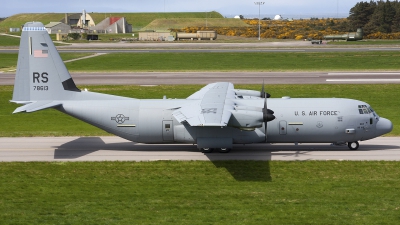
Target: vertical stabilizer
{"x":41,"y":74}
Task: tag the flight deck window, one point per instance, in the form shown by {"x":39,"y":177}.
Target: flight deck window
{"x":363,"y":109}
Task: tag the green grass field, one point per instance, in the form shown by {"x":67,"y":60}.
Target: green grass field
{"x":382,"y":97}
{"x":178,"y":23}
{"x":9,"y":41}
{"x":196,"y":192}
{"x":271,"y":61}
{"x":8,"y":61}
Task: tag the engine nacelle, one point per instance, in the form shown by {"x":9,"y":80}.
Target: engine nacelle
{"x":248,"y":108}
{"x":246,"y":120}
{"x":252,"y":93}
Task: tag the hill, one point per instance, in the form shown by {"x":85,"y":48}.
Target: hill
{"x":20,"y":19}
{"x":138,"y":20}
{"x":179,"y":23}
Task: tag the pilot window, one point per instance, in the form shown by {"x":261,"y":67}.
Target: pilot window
{"x":363,"y":109}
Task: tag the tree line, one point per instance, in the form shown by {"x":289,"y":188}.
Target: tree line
{"x":375,"y":17}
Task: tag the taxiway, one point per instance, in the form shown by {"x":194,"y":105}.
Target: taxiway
{"x":112,"y":148}
{"x":157,"y":78}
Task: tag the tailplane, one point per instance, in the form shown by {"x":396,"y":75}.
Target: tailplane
{"x":42,"y":80}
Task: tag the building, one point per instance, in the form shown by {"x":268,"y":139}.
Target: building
{"x":154,"y":36}
{"x":57,"y":27}
{"x":75,"y":20}
{"x":113,"y":25}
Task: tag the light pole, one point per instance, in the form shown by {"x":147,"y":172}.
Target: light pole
{"x":259,"y":19}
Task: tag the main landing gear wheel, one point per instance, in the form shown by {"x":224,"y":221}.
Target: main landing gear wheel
{"x":224,"y":150}
{"x":206,"y":150}
{"x":353,"y":145}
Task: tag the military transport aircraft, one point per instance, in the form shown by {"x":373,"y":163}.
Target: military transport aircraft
{"x":215,"y":117}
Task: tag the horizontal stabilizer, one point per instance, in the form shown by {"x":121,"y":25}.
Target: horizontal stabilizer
{"x":36,"y":106}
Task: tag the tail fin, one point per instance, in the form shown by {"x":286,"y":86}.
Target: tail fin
{"x":41,"y":74}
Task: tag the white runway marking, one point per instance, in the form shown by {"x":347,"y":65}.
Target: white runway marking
{"x":362,"y":74}
{"x":363,"y":80}
{"x":85,"y":57}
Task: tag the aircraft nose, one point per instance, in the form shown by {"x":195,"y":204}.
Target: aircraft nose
{"x":383,"y":126}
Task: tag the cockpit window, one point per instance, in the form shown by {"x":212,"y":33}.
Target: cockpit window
{"x":363,"y":109}
{"x":373,"y":112}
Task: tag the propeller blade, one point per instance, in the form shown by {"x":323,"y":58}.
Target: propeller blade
{"x":268,"y":115}
{"x":264,"y":94}
{"x":265,"y":113}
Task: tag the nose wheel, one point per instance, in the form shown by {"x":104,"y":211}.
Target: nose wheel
{"x":353,"y":145}
{"x":206,"y":150}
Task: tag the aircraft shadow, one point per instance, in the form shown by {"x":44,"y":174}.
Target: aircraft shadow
{"x":85,"y":145}
{"x":241,"y":170}
{"x":246,"y":170}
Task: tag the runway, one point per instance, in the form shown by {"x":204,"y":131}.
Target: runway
{"x":157,"y":78}
{"x":113,"y":148}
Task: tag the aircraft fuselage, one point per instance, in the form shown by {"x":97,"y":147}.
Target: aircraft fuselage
{"x":320,"y":120}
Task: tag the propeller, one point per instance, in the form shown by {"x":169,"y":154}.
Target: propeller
{"x":268,"y":115}
{"x":264,"y":94}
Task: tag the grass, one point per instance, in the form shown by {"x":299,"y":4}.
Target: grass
{"x":9,"y":41}
{"x":200,"y":192}
{"x":8,"y":61}
{"x":382,"y":97}
{"x":140,"y":20}
{"x":179,"y":23}
{"x":18,"y":20}
{"x":267,"y":61}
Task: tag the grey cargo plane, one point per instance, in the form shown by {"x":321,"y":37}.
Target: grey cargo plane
{"x":215,"y":117}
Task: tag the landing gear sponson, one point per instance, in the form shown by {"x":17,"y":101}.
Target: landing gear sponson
{"x":209,"y":150}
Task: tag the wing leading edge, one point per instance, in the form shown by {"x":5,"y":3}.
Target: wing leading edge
{"x":212,"y":106}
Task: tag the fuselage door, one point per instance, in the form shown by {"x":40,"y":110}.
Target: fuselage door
{"x":282,"y":127}
{"x":168,"y":132}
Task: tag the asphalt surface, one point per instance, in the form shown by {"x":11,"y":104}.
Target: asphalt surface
{"x":115,"y":148}
{"x":200,"y":46}
{"x":157,"y":78}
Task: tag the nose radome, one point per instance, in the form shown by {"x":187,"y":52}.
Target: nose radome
{"x":383,"y":126}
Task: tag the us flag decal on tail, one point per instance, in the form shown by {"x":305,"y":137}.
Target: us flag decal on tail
{"x":40,"y":53}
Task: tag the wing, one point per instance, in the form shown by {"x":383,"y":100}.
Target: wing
{"x":212,"y":106}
